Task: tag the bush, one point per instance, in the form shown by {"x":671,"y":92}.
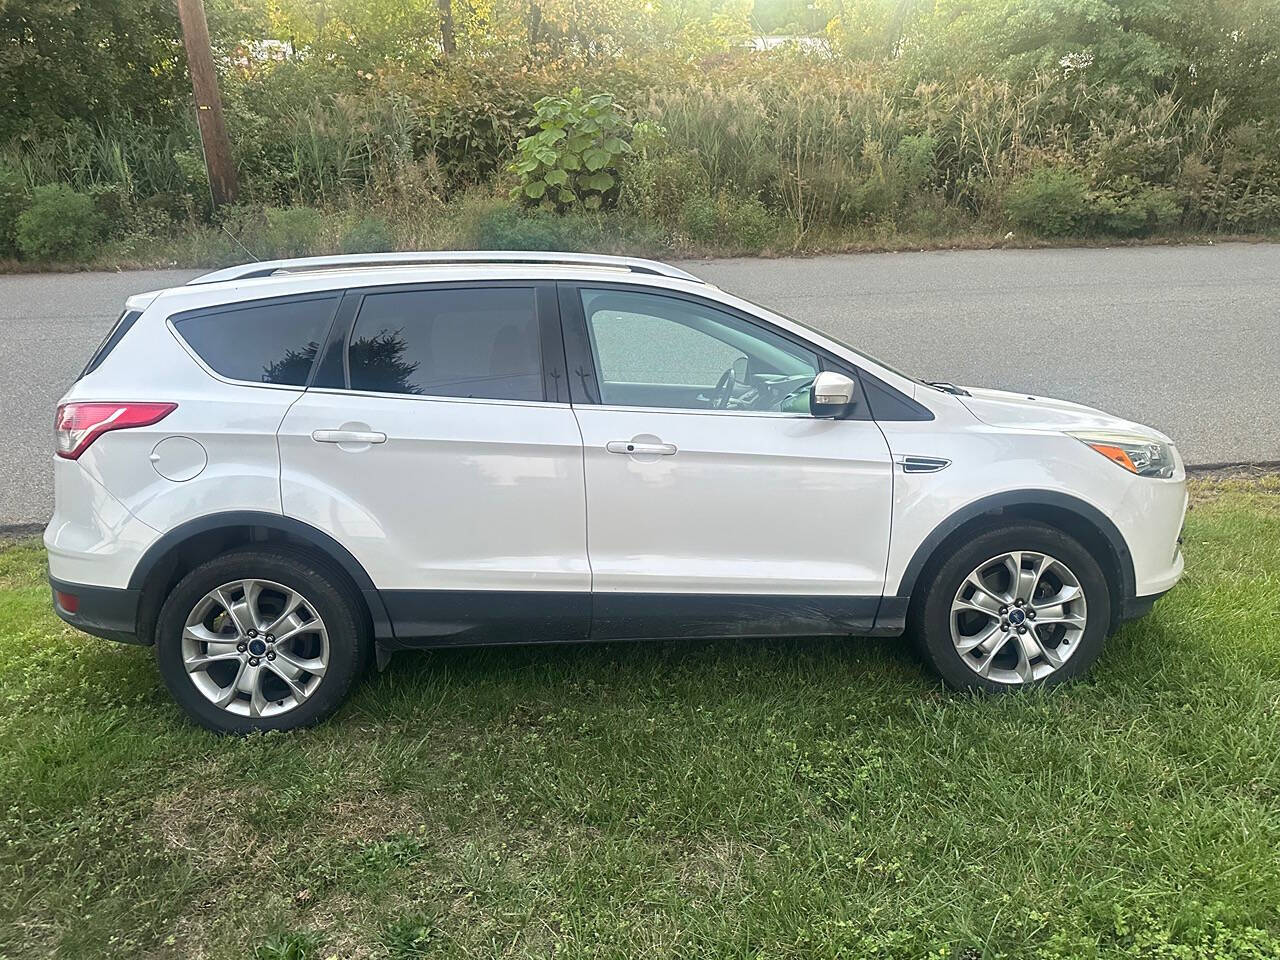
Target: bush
{"x":114,"y":207}
{"x":60,"y":224}
{"x":573,"y":158}
{"x":369,"y":235}
{"x":1137,"y":211}
{"x":13,"y":200}
{"x":509,"y":228}
{"x":1050,"y":202}
{"x":656,"y":180}
{"x":292,"y":231}
{"x":728,"y":223}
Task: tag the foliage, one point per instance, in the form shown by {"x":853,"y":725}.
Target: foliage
{"x":1052,"y":202}
{"x":505,"y":228}
{"x":501,"y":227}
{"x":906,"y":115}
{"x":573,"y":158}
{"x":13,"y":200}
{"x":290,"y":946}
{"x":291,"y":231}
{"x":727,"y":222}
{"x":1132,"y":209}
{"x":368,"y":235}
{"x":59,"y":224}
{"x":66,"y":60}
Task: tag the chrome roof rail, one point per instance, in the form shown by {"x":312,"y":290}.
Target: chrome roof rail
{"x":267,"y":268}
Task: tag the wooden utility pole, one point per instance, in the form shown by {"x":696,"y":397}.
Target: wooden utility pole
{"x":204,"y":83}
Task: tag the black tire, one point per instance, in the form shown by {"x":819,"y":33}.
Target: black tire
{"x":325,"y":589}
{"x":930,"y":614}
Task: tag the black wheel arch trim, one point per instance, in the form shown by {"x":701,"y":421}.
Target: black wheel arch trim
{"x":1024,"y":498}
{"x":313,"y":536}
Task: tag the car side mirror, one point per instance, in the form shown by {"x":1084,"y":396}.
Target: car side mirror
{"x":831,"y":396}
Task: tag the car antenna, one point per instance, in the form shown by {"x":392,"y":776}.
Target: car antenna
{"x":236,"y":241}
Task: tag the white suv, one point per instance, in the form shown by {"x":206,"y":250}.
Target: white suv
{"x":282,"y":468}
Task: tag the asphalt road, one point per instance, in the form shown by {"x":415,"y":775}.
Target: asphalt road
{"x":1184,"y":338}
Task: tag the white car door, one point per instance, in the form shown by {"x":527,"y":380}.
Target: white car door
{"x":717,"y":505}
{"x":429,"y":446}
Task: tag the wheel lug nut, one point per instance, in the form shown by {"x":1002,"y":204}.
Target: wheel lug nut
{"x":1003,"y":611}
{"x":240,"y":648}
{"x":1022,"y":629}
{"x":271,"y":654}
{"x":253,"y":633}
{"x":253,"y":661}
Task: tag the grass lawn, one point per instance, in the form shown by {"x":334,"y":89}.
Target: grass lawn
{"x":729,"y":799}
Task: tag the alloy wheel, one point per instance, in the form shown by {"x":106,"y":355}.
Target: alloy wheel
{"x":255,"y":648}
{"x":1018,"y":617}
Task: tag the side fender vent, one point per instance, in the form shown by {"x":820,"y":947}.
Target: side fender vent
{"x":923,"y":464}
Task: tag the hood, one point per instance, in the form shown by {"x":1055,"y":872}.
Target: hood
{"x":1002,"y":408}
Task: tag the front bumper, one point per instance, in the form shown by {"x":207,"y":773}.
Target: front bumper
{"x":108,"y":612}
{"x":1135,"y":607}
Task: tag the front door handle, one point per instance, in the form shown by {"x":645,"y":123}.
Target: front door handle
{"x":348,"y":436}
{"x":640,"y":447}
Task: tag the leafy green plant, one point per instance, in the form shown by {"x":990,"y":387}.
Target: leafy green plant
{"x":292,"y":231}
{"x":656,"y":179}
{"x":289,"y":946}
{"x":1049,"y":201}
{"x":728,"y":222}
{"x":59,"y":224}
{"x":513,"y":229}
{"x":411,"y":937}
{"x":368,"y":235}
{"x":573,"y":158}
{"x":1135,"y":210}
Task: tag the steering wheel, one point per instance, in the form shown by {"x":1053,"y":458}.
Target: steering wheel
{"x":723,"y":392}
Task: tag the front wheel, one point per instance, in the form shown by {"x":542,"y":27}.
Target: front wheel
{"x":260,"y":640}
{"x":1024,"y":604}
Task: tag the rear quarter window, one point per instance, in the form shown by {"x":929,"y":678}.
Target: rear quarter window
{"x":113,"y":337}
{"x":272,"y":342}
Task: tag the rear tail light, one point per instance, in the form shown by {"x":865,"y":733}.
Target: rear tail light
{"x":79,"y":424}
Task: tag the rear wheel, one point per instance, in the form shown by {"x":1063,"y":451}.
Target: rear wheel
{"x":260,"y":640}
{"x":1020,"y":605}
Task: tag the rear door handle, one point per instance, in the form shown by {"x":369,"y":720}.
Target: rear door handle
{"x":348,"y":436}
{"x":635,"y":446}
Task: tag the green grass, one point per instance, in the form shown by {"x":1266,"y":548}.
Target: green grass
{"x":738,"y":799}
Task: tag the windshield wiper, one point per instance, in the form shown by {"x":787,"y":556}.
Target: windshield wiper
{"x":946,"y":387}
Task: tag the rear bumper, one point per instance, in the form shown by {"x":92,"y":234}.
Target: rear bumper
{"x":107,"y":612}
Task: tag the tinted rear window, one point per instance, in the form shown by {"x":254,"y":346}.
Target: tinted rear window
{"x":449,"y":343}
{"x":263,"y":343}
{"x":113,"y":337}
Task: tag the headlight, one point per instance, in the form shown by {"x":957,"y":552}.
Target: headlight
{"x":1140,"y":455}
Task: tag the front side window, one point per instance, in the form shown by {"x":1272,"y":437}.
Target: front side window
{"x":481,"y":343}
{"x":653,"y":350}
{"x":261,"y":343}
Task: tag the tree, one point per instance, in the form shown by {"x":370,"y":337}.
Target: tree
{"x":447,"y":40}
{"x":67,"y":59}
